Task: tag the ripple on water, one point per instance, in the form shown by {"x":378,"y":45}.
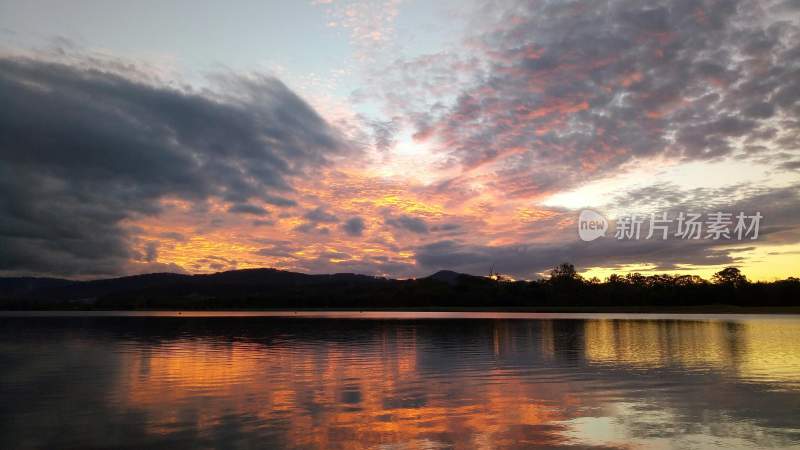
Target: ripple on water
{"x":316,"y":383}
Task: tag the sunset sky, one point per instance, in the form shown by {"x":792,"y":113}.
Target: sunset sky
{"x":393,"y":138}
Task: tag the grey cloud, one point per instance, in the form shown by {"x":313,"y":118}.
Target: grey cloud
{"x":319,"y":214}
{"x":369,"y":265}
{"x":572,"y":90}
{"x":335,"y":255}
{"x":528,"y":261}
{"x":761,"y":110}
{"x":409,"y":223}
{"x":780,"y":225}
{"x":790,"y":165}
{"x":151,"y":251}
{"x":278,"y":201}
{"x":173,"y":236}
{"x":354,"y":226}
{"x":383,"y":133}
{"x":214,"y":262}
{"x":777,"y":205}
{"x":445,"y":227}
{"x":279,"y":249}
{"x":377,"y":266}
{"x":246,"y":208}
{"x":312,"y":228}
{"x":153,"y":267}
{"x":84,"y":149}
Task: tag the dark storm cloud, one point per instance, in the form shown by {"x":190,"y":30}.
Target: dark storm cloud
{"x":571,"y":90}
{"x":83,"y":149}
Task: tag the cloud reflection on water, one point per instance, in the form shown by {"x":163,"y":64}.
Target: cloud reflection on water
{"x":309,"y":383}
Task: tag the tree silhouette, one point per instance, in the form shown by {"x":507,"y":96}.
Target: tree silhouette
{"x":730,"y":276}
{"x":564,"y":271}
{"x":275,"y":289}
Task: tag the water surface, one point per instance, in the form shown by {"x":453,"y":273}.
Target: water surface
{"x":398,"y":380}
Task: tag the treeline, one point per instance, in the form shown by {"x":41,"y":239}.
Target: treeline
{"x":274,"y":289}
{"x":727,"y":287}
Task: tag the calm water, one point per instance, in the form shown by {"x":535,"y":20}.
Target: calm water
{"x":397,"y":381}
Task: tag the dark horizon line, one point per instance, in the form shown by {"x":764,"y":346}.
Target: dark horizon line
{"x":492,"y":275}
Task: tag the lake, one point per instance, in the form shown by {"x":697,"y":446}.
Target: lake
{"x":398,"y":380}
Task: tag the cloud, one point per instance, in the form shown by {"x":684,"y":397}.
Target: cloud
{"x":173,"y":236}
{"x":529,"y":261}
{"x":446,"y":227}
{"x":384,"y":133}
{"x":151,"y":251}
{"x":137,"y":268}
{"x":246,"y":208}
{"x":369,"y":265}
{"x":215,"y":263}
{"x":790,"y":165}
{"x":354,"y":226}
{"x":277,"y":201}
{"x":312,"y":228}
{"x":409,"y":223}
{"x":370,"y":24}
{"x":319,"y":214}
{"x":84,"y":149}
{"x":279,"y":249}
{"x":316,"y":218}
{"x":261,"y":223}
{"x":99,"y":157}
{"x":780,"y":225}
{"x":570,"y":91}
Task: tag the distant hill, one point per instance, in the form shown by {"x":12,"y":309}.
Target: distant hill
{"x":170,"y":288}
{"x":447,"y":276}
{"x":26,"y":286}
{"x":279,"y":289}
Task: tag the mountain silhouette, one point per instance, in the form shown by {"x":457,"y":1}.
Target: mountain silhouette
{"x":280,"y":289}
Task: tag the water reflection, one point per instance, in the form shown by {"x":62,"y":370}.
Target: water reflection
{"x":313,"y":383}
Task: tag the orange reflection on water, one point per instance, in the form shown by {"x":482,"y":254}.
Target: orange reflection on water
{"x":497,"y":388}
{"x":333,"y":395}
{"x":658,"y":343}
{"x":766,"y":350}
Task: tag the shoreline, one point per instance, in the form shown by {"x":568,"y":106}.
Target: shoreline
{"x":687,"y":310}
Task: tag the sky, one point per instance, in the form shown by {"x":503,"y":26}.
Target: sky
{"x":395,"y":137}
